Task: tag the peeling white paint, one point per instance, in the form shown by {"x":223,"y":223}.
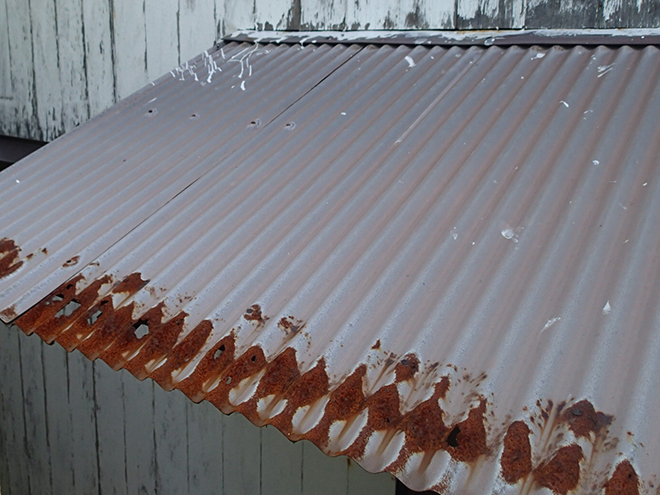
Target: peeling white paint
{"x":607,"y":309}
{"x":551,"y":322}
{"x":604,"y":69}
{"x":411,"y":62}
{"x":595,"y":162}
{"x":538,"y":55}
{"x":563,"y":103}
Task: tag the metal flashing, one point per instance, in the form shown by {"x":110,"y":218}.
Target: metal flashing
{"x":440,"y":261}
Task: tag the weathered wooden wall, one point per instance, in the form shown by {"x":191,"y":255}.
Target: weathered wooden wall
{"x":70,"y":426}
{"x":64,"y":61}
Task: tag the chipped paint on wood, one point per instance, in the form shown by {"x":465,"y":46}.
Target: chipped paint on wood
{"x":573,"y":14}
{"x":490,"y":14}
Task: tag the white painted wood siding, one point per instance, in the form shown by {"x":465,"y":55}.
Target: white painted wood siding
{"x":76,"y":427}
{"x":64,"y":61}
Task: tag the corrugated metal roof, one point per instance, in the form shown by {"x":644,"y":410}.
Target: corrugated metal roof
{"x":441,"y":261}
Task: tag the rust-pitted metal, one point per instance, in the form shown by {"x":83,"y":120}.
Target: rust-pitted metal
{"x":9,"y":258}
{"x":439,"y":261}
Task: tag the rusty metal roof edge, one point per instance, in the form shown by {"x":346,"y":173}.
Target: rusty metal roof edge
{"x":614,"y":37}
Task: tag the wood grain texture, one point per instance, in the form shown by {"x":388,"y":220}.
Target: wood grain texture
{"x":15,"y":478}
{"x":323,"y":475}
{"x":197,"y":27}
{"x":129,"y":46}
{"x":36,"y":419}
{"x":171,"y":442}
{"x":281,"y":462}
{"x":571,"y":14}
{"x":98,"y":53}
{"x":71,"y":57}
{"x":48,"y":85}
{"x":162,"y":36}
{"x":110,"y":429}
{"x":205,"y":426}
{"x":490,"y":14}
{"x":628,"y":14}
{"x":140,"y":435}
{"x":5,"y":73}
{"x":59,"y":419}
{"x":241,"y":447}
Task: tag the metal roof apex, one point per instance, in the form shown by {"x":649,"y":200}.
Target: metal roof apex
{"x":614,"y":37}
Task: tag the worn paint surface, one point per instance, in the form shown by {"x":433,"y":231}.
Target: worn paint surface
{"x":437,"y":260}
{"x":64,"y":61}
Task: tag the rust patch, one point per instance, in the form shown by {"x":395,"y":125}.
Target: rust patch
{"x":182,"y":354}
{"x":130,"y":284}
{"x":210,"y":367}
{"x":583,"y":419}
{"x":9,"y":258}
{"x":309,"y":388}
{"x":561,"y":474}
{"x":280,"y":374}
{"x":624,"y":480}
{"x":9,"y":313}
{"x":516,"y":459}
{"x":467,"y":440}
{"x":253,"y":313}
{"x":289,"y":325}
{"x":407,"y":368}
{"x":72,"y":261}
{"x":376,"y":345}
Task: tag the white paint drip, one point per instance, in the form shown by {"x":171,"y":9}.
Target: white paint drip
{"x":538,"y":55}
{"x":595,"y":162}
{"x":563,"y":103}
{"x":607,"y":309}
{"x":411,"y":62}
{"x":604,"y":69}
{"x":551,"y":322}
{"x":509,"y":234}
{"x":242,"y":85}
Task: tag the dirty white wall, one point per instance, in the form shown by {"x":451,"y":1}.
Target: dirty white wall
{"x":71,"y":426}
{"x":64,"y":61}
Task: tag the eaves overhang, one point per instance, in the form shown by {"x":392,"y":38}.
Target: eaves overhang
{"x":439,"y":260}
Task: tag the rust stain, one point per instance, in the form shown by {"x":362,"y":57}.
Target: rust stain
{"x":72,"y":261}
{"x":407,"y":368}
{"x":289,"y":325}
{"x":376,"y":345}
{"x":624,"y":480}
{"x":253,"y":313}
{"x":561,"y":474}
{"x":583,"y":419}
{"x":161,"y":350}
{"x":9,"y":258}
{"x":516,"y":458}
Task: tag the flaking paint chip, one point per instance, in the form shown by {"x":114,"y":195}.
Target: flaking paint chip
{"x":607,"y":309}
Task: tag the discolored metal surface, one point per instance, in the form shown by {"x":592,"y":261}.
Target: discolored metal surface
{"x":440,"y":261}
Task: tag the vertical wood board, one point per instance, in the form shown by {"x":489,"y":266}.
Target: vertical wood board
{"x":197,"y":27}
{"x":162,"y":36}
{"x":5,"y":64}
{"x":570,"y":14}
{"x":281,"y":463}
{"x":241,"y":456}
{"x":71,"y":56}
{"x":130,"y":50}
{"x":490,"y":14}
{"x":99,"y":59}
{"x":205,"y":426}
{"x":171,"y":444}
{"x":46,"y":68}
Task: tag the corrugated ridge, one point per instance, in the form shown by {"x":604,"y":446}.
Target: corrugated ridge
{"x":388,"y":307}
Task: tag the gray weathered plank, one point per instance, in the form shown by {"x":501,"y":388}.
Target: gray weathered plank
{"x":162,"y":36}
{"x":110,"y":421}
{"x":36,"y":437}
{"x":281,"y":463}
{"x":171,"y":441}
{"x":490,"y":14}
{"x":5,"y":425}
{"x":16,"y":481}
{"x":130,"y":50}
{"x":59,"y":422}
{"x":99,"y":60}
{"x":323,"y":475}
{"x":20,"y":118}
{"x":197,"y":27}
{"x":205,"y":424}
{"x":71,"y":61}
{"x":360,"y":482}
{"x":5,"y":73}
{"x":238,"y":14}
{"x":573,"y":14}
{"x":83,"y":419}
{"x":46,"y":71}
{"x":241,"y":442}
{"x":631,"y":14}
{"x":140,"y":435}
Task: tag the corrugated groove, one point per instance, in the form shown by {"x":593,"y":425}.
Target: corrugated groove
{"x":498,"y":262}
